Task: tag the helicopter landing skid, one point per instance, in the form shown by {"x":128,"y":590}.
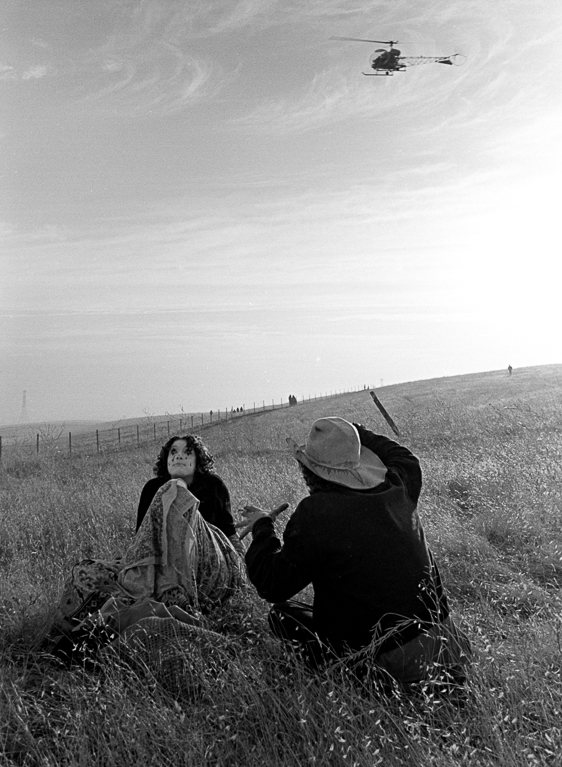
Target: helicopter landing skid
{"x":378,"y":74}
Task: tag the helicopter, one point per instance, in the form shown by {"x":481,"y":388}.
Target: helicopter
{"x":387,"y":62}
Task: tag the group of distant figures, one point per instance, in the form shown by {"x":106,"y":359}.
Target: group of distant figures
{"x":293,"y":399}
{"x":232,"y":411}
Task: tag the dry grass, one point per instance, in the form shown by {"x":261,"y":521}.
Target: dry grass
{"x":491,"y":450}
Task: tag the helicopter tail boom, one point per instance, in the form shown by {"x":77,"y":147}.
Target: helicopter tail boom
{"x":457,"y":59}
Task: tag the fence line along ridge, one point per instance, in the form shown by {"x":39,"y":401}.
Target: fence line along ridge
{"x":150,"y":429}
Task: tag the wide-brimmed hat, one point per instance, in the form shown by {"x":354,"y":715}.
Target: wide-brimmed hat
{"x":334,"y":452}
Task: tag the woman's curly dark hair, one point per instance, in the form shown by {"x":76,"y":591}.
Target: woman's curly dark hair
{"x":204,"y":460}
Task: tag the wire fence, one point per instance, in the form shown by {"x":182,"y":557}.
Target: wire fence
{"x":56,"y":439}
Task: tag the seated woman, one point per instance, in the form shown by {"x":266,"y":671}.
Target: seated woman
{"x":187,"y":458}
{"x":185,"y":553}
{"x":186,"y":550}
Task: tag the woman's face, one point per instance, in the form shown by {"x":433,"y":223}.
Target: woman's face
{"x":181,"y":461}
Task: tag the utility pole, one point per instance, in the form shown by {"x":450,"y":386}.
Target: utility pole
{"x":23,"y":415}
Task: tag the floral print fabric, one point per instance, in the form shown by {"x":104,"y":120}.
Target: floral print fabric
{"x":178,"y":558}
{"x":175,"y":558}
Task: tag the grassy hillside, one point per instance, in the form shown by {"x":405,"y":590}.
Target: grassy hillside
{"x":491,"y":450}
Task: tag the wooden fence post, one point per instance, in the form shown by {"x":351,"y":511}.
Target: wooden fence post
{"x":192,"y":422}
{"x":0,"y":448}
{"x":97,"y":441}
{"x":119,"y":439}
{"x":385,"y":415}
{"x":37,"y":443}
{"x":138,"y":436}
{"x":154,"y":425}
{"x":69,"y":443}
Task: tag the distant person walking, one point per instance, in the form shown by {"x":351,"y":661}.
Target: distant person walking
{"x":357,"y":538}
{"x":510,"y":369}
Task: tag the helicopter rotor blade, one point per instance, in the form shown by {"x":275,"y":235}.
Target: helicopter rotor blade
{"x":363,"y":40}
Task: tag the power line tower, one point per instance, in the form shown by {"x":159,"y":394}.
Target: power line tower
{"x":23,"y":415}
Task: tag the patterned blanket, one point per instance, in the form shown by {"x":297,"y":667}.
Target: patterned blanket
{"x":178,"y":558}
{"x":175,"y":558}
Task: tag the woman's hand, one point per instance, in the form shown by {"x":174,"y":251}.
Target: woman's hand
{"x":253,"y":513}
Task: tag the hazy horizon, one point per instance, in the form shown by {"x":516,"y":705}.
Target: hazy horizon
{"x":380,"y":387}
{"x":207,"y":205}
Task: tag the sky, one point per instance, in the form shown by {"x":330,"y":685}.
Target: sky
{"x":204,"y":204}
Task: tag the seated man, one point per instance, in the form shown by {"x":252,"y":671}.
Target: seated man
{"x":357,"y":538}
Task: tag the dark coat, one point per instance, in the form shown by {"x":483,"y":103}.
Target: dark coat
{"x":364,"y":552}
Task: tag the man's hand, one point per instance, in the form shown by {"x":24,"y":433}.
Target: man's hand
{"x":253,"y":513}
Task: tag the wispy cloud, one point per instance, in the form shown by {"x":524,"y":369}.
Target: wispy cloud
{"x":224,"y":253}
{"x":38,"y":43}
{"x":164,"y":79}
{"x":216,"y":17}
{"x":333,"y":97}
{"x":146,"y":63}
{"x":36,"y":72}
{"x":324,"y":100}
{"x":7,"y":72}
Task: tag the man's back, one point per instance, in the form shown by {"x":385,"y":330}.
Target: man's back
{"x":366,"y":556}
